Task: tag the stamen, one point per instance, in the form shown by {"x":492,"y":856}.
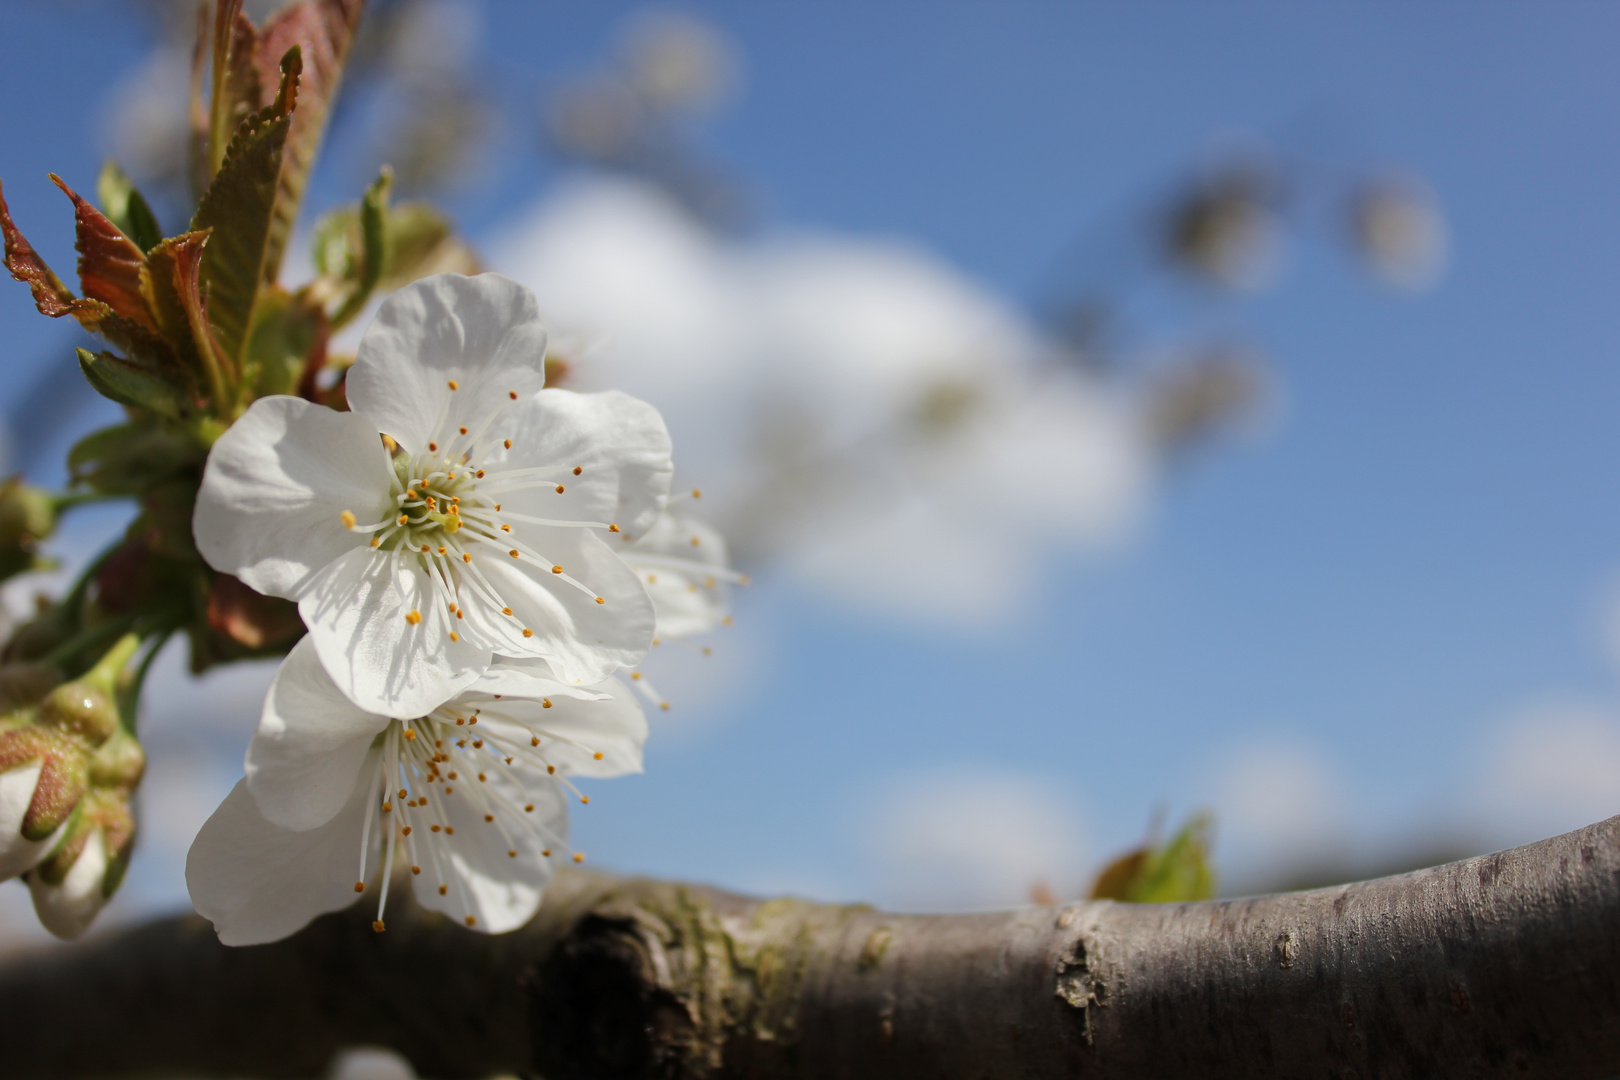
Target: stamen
{"x":578,"y":469}
{"x":348,"y":518}
{"x":413,"y":616}
{"x":453,"y":385}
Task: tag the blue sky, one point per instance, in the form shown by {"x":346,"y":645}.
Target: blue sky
{"x":1416,"y":550}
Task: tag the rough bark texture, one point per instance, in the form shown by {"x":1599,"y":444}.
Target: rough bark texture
{"x":1505,"y":965}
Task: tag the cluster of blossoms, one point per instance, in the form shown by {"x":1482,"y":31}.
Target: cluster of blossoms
{"x":450,"y":542}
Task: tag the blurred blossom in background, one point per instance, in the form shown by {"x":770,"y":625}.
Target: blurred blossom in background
{"x":1118,"y":412}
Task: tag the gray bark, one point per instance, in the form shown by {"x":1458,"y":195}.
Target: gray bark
{"x":1504,"y":965}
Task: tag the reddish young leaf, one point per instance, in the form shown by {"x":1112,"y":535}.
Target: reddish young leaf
{"x":188,"y":287}
{"x":110,"y":264}
{"x":50,"y":295}
{"x":250,"y":618}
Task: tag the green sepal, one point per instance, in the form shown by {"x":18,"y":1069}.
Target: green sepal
{"x":137,"y":385}
{"x":120,"y":762}
{"x":126,"y":208}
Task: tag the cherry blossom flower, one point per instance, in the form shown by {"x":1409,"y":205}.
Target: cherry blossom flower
{"x":452,"y":515}
{"x":682,"y":561}
{"x":472,"y":796}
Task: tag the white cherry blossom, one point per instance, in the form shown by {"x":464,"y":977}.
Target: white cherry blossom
{"x":683,"y":563}
{"x":472,"y":797}
{"x":453,"y":514}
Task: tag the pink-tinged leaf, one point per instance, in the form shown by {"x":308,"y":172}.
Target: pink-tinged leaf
{"x":110,"y":264}
{"x":323,"y":30}
{"x":188,"y":262}
{"x":51,"y":296}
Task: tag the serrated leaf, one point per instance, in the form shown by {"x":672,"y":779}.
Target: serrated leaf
{"x":55,"y":299}
{"x":324,"y":31}
{"x":125,"y":207}
{"x":236,"y":91}
{"x":240,"y":208}
{"x":134,"y":384}
{"x":109,"y":262}
{"x":161,"y":285}
{"x":187,"y":281}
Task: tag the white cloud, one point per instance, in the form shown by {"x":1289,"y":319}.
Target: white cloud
{"x":1278,"y":804}
{"x":965,"y":838}
{"x":888,"y":428}
{"x":1553,"y":768}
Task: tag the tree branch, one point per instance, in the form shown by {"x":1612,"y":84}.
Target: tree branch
{"x":1504,"y":965}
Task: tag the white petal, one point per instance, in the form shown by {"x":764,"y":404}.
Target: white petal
{"x":618,"y":443}
{"x":257,"y":882}
{"x":16,"y":793}
{"x":304,"y":761}
{"x":484,"y":333}
{"x":356,"y":610}
{"x":676,"y":560}
{"x":574,"y":730}
{"x":68,"y":909}
{"x":275,"y":488}
{"x":584,"y":641}
{"x":526,"y":676}
{"x":501,"y":892}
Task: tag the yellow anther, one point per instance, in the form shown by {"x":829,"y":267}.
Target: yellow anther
{"x":560,"y":489}
{"x":443,"y":550}
{"x":513,"y":553}
{"x":578,"y":469}
{"x":551,"y":768}
{"x":436,"y":828}
{"x":497,"y":508}
{"x":513,"y":854}
{"x":529,"y":809}
{"x":453,"y":776}
{"x":506,"y":611}
{"x":481,"y":777}
{"x":443,"y":889}
{"x":696,"y":494}
{"x":546,"y":852}
{"x":359,"y":886}
{"x":413,"y":616}
{"x":664,"y":705}
{"x":416,"y":869}
{"x":507,"y":443}
{"x":471,"y":921}
{"x":410,"y":735}
{"x":579,"y":856}
{"x":378,"y":926}
{"x":478,"y":744}
{"x":466,"y":556}
{"x":376,"y":541}
{"x":695,"y":541}
{"x":449,"y":830}
{"x":599,"y":600}
{"x":388,"y":441}
{"x":454,"y":636}
{"x":388,"y":807}
{"x":402,"y":519}
{"x":403,"y":793}
{"x":545,"y":703}
{"x":462,"y":430}
{"x":635,"y":676}
{"x":527,"y":632}
{"x":489,"y":818}
{"x":652,"y":579}
{"x":453,"y":385}
{"x":613,"y":528}
{"x":348,"y":519}
{"x":433,"y":447}
{"x":597,"y":755}
{"x":479,"y":474}
{"x":406,"y":831}
{"x":506,"y":528}
{"x":556,"y":569}
{"x":584,"y":799}
{"x":410,"y":493}
{"x":726,"y":621}
{"x":426,"y":549}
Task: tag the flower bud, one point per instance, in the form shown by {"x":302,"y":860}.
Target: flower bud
{"x":27,"y":516}
{"x":73,"y":883}
{"x":87,"y":706}
{"x":43,"y":776}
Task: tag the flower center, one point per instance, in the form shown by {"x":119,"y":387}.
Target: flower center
{"x":448,"y":510}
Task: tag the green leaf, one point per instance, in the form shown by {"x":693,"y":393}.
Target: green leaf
{"x":422,"y":242}
{"x":124,"y":205}
{"x":373,"y":248}
{"x":287,"y":331}
{"x":1176,"y":871}
{"x":132,"y":458}
{"x":134,"y":384}
{"x":240,"y":209}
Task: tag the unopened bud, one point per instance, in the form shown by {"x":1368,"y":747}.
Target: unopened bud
{"x":119,"y":763}
{"x":43,"y":776}
{"x":87,"y":706}
{"x":73,"y":883}
{"x":27,"y":516}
